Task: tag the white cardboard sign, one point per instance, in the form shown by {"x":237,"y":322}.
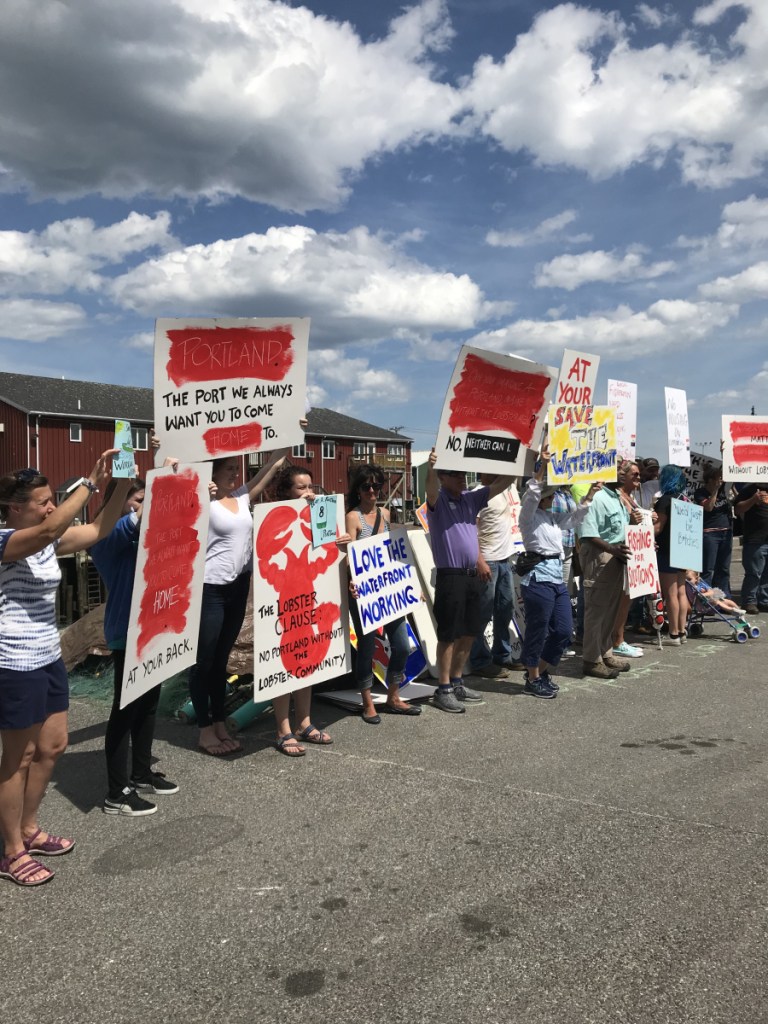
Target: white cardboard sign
{"x":494,"y":412}
{"x":642,"y":567}
{"x":622,"y":398}
{"x":299,"y":601}
{"x":678,"y":434}
{"x":168,"y":585}
{"x":577,"y":379}
{"x":227,"y":387}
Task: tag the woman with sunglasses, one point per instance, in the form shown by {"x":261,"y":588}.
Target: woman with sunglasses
{"x":366,"y":519}
{"x":34,"y":691}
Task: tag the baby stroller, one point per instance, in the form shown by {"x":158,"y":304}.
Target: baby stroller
{"x":703,"y":609}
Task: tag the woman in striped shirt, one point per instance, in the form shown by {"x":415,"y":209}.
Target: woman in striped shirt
{"x":34,"y":691}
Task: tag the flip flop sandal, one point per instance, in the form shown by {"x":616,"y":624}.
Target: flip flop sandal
{"x":53,"y":846}
{"x":21,"y":874}
{"x":306,"y":735}
{"x":289,"y":751}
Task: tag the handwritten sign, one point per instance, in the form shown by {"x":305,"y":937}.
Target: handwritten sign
{"x":299,"y":602}
{"x":577,"y":379}
{"x":582,"y":442}
{"x":622,"y":398}
{"x":686,"y":537}
{"x":513,"y":503}
{"x":227,"y":387}
{"x":387,"y":583}
{"x":642,"y":567}
{"x":123,"y":461}
{"x":322,"y":513}
{"x":745,"y":451}
{"x":493,"y":412}
{"x":694,"y":473}
{"x":678,"y":434}
{"x":421,"y":517}
{"x":168,"y":586}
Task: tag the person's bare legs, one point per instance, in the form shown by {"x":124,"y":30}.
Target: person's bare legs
{"x":444,"y":659}
{"x":51,"y":744}
{"x":459,"y":655}
{"x":669,"y":591}
{"x":18,"y":751}
{"x":282,"y":708}
{"x":682,"y":603}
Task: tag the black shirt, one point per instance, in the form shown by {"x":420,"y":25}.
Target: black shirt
{"x":720,"y":516}
{"x":756,"y":518}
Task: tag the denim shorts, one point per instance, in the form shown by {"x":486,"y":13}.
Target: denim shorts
{"x":28,"y":698}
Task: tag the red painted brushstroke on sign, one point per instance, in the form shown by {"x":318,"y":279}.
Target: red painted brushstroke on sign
{"x":749,"y":454}
{"x":305,"y":626}
{"x":243,"y":437}
{"x":489,"y":397}
{"x":199,"y":354}
{"x":171,"y":542}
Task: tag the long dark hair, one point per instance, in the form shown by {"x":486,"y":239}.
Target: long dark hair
{"x":18,"y":487}
{"x":136,"y":485}
{"x":281,"y":488}
{"x":363,"y":476}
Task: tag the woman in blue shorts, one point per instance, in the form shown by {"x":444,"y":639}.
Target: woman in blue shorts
{"x":34,"y":691}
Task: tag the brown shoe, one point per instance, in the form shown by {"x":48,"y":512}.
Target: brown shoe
{"x":616,"y":664}
{"x":598,"y":670}
{"x":490,"y":671}
{"x":752,"y":609}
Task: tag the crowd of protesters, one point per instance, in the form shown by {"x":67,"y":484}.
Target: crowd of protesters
{"x":574,"y":554}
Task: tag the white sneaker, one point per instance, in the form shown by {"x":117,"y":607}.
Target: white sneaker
{"x":625,"y":650}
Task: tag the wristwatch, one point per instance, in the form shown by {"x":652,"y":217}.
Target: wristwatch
{"x":83,"y":482}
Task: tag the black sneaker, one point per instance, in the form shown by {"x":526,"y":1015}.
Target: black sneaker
{"x":129,"y":803}
{"x":538,"y":688}
{"x":156,"y":783}
{"x":550,"y":681}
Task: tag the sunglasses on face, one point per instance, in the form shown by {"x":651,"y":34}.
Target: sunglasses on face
{"x":370,"y":487}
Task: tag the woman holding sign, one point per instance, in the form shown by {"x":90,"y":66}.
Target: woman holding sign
{"x":34,"y":689}
{"x":366,"y":519}
{"x":672,"y":484}
{"x":225,"y":595}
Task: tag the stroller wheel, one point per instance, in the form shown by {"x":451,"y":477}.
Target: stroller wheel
{"x":740,"y":636}
{"x":695,"y":629}
{"x":754,"y":632}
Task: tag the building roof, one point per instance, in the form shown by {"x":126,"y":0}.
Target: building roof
{"x":86,"y":399}
{"x":327,"y":423}
{"x":78,"y":399}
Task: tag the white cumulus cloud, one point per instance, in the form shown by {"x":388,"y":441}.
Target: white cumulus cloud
{"x":36,"y":320}
{"x":570,"y":271}
{"x":746,"y":286}
{"x":548,"y":228}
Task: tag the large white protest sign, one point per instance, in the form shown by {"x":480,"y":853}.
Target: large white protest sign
{"x":678,"y":434}
{"x":745,"y":448}
{"x":694,"y":473}
{"x":622,"y":398}
{"x":387,"y":583}
{"x":577,"y":378}
{"x":299,"y":601}
{"x":494,"y":411}
{"x":168,"y":585}
{"x":642,"y":567}
{"x":227,"y":387}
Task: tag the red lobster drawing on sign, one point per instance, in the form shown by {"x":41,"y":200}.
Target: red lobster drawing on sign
{"x":305,"y":626}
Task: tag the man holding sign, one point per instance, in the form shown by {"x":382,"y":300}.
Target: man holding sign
{"x":459,"y":587}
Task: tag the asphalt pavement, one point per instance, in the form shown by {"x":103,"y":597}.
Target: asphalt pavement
{"x":600,"y":857}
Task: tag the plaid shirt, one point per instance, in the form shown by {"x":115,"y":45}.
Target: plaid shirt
{"x":562,"y":501}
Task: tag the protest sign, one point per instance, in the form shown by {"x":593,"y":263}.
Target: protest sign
{"x":694,"y":473}
{"x":414,"y":666}
{"x":123,"y":464}
{"x":642,"y":567}
{"x":686,"y":537}
{"x":227,"y":387}
{"x":299,"y":601}
{"x":577,"y":379}
{"x":387,"y":583}
{"x":168,"y":585}
{"x":421,"y":517}
{"x":513,"y":501}
{"x":322,"y":512}
{"x":622,"y":398}
{"x":745,"y":451}
{"x":494,"y":411}
{"x":582,"y":443}
{"x":677,"y":427}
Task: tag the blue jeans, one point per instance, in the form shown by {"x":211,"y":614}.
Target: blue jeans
{"x":499,"y":604}
{"x":399,"y":649}
{"x":754,"y":589}
{"x":716,"y":559}
{"x":221,"y":618}
{"x":548,"y":622}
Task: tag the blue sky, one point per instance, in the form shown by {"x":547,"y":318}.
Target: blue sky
{"x":518,"y":176}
